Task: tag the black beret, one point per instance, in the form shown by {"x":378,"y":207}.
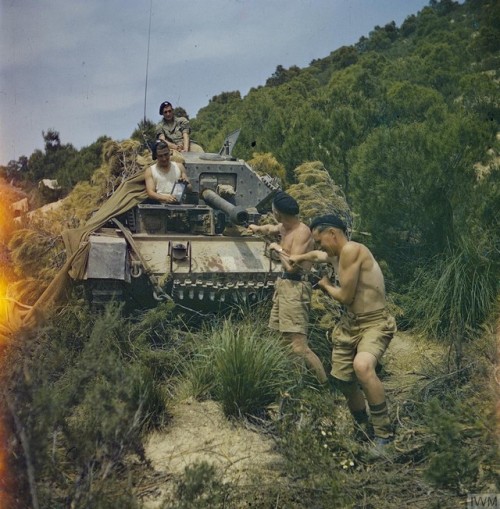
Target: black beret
{"x":163,"y":105}
{"x":283,"y":202}
{"x":328,"y":220}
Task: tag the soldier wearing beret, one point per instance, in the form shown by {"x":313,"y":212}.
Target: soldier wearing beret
{"x":175,"y":131}
{"x":365,"y":328}
{"x":292,"y":296}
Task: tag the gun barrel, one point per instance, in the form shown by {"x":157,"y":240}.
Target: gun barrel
{"x":237,"y":215}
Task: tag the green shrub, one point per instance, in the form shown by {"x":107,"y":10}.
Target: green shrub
{"x":451,"y":464}
{"x":200,"y":488}
{"x":242,"y":365}
{"x":84,"y":396}
{"x":313,"y":441}
{"x":452,"y":296}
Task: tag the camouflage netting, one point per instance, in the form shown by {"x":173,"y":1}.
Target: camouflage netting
{"x":121,"y":160}
{"x":267,"y":164}
{"x":318,"y":194}
{"x":121,"y":176}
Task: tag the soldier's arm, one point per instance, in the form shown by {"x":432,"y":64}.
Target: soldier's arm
{"x":315,"y":256}
{"x":185,"y":130}
{"x":185,"y":139}
{"x":266,"y":229}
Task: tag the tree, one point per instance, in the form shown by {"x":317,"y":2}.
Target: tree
{"x":282,"y":75}
{"x":407,"y":102}
{"x":144,"y":132}
{"x":52,"y":140}
{"x":15,"y":170}
{"x":215,"y":121}
{"x":412,"y":187}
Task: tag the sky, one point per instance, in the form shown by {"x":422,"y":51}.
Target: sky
{"x":80,"y":66}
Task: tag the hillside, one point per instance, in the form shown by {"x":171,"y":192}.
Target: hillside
{"x":254,"y":474}
{"x":105,"y":410}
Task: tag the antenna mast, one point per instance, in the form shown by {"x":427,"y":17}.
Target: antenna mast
{"x":147,"y":59}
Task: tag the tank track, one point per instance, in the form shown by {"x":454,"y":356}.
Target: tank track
{"x":221,"y":292}
{"x":101,"y":292}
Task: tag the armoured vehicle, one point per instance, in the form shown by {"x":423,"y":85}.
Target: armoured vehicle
{"x":194,"y":253}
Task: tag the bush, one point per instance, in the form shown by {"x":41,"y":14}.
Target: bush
{"x":450,"y":463}
{"x":83,"y":398}
{"x":242,"y":365}
{"x":452,"y":296}
{"x":316,"y":446}
{"x":200,"y":488}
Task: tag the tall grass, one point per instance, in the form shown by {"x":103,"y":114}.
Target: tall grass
{"x":242,"y":365}
{"x":452,"y":296}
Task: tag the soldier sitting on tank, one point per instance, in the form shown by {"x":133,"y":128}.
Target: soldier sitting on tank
{"x":175,"y":131}
{"x":161,"y":177}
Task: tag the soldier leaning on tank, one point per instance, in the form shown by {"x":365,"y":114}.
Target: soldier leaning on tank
{"x":175,"y":131}
{"x":292,"y":296}
{"x":365,"y":328}
{"x":161,"y":177}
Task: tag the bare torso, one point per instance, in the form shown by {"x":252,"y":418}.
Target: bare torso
{"x":295,"y":239}
{"x":357,"y":269}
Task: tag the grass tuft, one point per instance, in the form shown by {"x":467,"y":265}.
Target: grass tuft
{"x":243,"y":366}
{"x":453,"y":295}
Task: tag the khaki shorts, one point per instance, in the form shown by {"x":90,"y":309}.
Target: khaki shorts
{"x":291,"y":303}
{"x":366,"y":332}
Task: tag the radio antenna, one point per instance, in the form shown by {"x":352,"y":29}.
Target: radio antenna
{"x":147,"y":59}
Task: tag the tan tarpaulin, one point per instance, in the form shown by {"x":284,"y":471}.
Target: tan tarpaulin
{"x":14,"y":315}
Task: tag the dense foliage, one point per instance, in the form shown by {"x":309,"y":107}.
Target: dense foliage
{"x":403,"y":126}
{"x":405,"y":121}
{"x":401,"y":121}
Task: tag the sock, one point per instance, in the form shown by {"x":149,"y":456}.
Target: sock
{"x":360,"y":416}
{"x":380,"y":420}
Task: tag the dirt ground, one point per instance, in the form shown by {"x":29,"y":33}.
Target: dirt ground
{"x":199,"y":431}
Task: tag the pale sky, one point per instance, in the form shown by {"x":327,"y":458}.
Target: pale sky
{"x":79,"y":67}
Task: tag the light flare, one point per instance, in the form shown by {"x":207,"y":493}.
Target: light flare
{"x":7,"y":488}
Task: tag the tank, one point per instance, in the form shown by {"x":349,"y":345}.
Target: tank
{"x":195,"y":253}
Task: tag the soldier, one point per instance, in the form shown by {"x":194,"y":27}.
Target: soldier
{"x":161,"y":177}
{"x":175,"y":131}
{"x":366,"y":327}
{"x":292,"y":296}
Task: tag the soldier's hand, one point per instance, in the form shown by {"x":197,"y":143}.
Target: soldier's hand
{"x":276,"y":247}
{"x":324,"y":282}
{"x":170,"y":199}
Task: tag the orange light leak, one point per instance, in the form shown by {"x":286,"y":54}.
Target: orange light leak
{"x":7,"y":479}
{"x":6,"y":220}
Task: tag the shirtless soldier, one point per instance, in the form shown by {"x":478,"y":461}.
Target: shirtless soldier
{"x":292,"y":296}
{"x":365,"y":329}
